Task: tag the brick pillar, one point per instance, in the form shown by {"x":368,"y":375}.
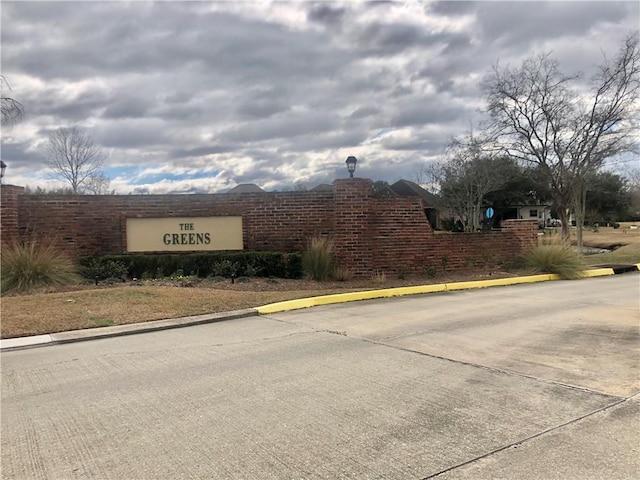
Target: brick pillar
{"x":9,"y":225}
{"x":525,"y":233}
{"x":353,"y":237}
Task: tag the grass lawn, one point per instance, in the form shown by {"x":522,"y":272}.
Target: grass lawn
{"x":624,"y":241}
{"x":54,"y":312}
{"x":89,"y":306}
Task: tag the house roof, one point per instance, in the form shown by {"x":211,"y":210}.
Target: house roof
{"x":385,"y":191}
{"x":406,"y":188}
{"x":246,"y":188}
{"x":323,"y":187}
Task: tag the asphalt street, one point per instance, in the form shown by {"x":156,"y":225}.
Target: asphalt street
{"x":528,"y":381}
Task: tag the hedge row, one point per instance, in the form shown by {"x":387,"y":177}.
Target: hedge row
{"x":224,"y":264}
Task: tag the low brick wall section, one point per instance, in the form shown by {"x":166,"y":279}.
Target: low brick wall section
{"x":96,"y":225}
{"x":371,"y":234}
{"x":454,"y":251}
{"x":9,"y":228}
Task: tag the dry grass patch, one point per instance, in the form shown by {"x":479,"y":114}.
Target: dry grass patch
{"x":624,"y":241}
{"x":54,"y":312}
{"x":89,"y":307}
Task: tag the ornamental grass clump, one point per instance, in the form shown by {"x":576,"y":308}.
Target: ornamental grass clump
{"x":26,"y":267}
{"x":555,"y":258}
{"x":318,"y":259}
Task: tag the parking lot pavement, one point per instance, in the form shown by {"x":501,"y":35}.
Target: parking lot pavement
{"x":326,"y":394}
{"x":596,"y":448}
{"x":300,"y":404}
{"x":582,"y":333}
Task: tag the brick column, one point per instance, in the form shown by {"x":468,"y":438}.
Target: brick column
{"x":525,"y":233}
{"x":353,"y":237}
{"x":9,"y":225}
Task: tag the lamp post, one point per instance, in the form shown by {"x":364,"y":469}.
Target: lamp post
{"x":351,"y":165}
{"x":3,"y":167}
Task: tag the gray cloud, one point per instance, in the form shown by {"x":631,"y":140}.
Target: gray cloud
{"x":449,"y":8}
{"x":201,"y":151}
{"x":123,"y":107}
{"x":273,"y":93}
{"x":326,"y":14}
{"x":366,"y":111}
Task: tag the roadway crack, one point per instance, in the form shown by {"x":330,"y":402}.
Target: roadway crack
{"x":533,"y":437}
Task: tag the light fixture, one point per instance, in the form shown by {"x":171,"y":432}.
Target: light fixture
{"x":3,"y":167}
{"x":351,"y":165}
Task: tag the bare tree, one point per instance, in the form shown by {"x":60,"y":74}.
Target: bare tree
{"x":11,"y":108}
{"x":75,"y":159}
{"x":98,"y":184}
{"x":469,"y":174}
{"x":539,"y":115}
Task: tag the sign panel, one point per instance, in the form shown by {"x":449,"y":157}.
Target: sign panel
{"x":184,"y":234}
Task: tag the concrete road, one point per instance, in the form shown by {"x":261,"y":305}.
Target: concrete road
{"x":532,"y":381}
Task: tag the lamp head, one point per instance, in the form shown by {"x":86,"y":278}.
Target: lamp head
{"x":351,"y":165}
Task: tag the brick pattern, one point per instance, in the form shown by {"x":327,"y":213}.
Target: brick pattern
{"x":91,"y":225}
{"x":371,"y":234}
{"x":9,"y":213}
{"x":400,"y":234}
{"x":353,"y":229}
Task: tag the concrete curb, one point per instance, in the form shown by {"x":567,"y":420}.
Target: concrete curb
{"x":153,"y":326}
{"x":121,"y":330}
{"x":402,"y":291}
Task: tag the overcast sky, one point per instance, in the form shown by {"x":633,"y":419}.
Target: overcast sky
{"x":201,"y":96}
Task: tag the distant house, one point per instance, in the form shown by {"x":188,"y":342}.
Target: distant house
{"x":539,"y":212}
{"x":246,"y":188}
{"x":406,"y":188}
{"x":323,"y":187}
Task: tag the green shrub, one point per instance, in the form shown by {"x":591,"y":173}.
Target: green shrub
{"x":226,"y":268}
{"x":429,"y":271}
{"x":103,"y":269}
{"x":26,"y":267}
{"x":318,"y":259}
{"x":554,"y":258}
{"x":203,"y":265}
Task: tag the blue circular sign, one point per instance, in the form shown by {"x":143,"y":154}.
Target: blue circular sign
{"x":489,"y":212}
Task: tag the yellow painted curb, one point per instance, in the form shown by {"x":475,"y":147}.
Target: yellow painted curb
{"x":348,"y":297}
{"x":598,"y":272}
{"x":637,"y":266}
{"x":500,"y":282}
{"x":401,"y":291}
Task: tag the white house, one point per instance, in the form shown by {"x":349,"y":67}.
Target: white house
{"x":541,"y":213}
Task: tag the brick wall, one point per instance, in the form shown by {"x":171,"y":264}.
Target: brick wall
{"x":353,"y":229}
{"x":88,"y":225}
{"x":9,"y":213}
{"x":456,"y":251}
{"x":389,"y":234}
{"x":400,"y":234}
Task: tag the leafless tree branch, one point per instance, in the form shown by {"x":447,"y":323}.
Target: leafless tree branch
{"x":74,"y":158}
{"x":12,"y":110}
{"x":538,"y":116}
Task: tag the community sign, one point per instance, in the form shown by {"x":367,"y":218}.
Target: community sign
{"x":184,"y":234}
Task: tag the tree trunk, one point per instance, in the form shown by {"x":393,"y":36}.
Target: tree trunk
{"x":580,"y":204}
{"x":563,"y":214}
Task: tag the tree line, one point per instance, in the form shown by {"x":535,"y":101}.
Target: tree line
{"x":561,"y":129}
